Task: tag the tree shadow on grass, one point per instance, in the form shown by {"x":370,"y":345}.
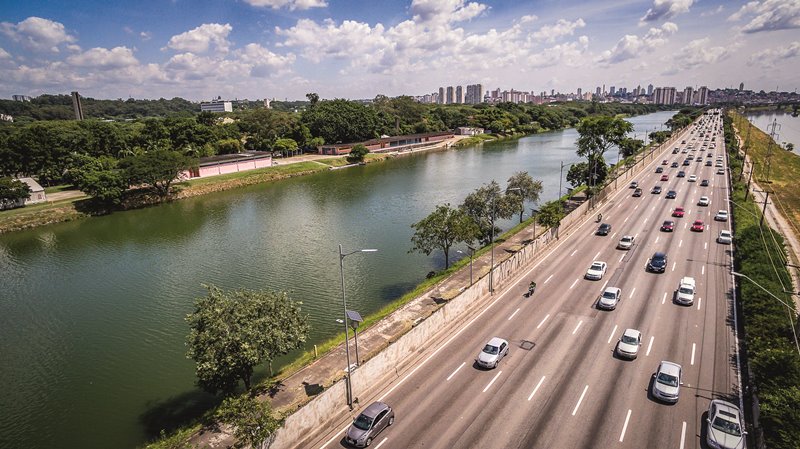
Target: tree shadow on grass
{"x":176,"y":411}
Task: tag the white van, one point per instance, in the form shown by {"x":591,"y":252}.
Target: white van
{"x":685,"y":293}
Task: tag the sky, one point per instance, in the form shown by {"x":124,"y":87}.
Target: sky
{"x":284,"y":49}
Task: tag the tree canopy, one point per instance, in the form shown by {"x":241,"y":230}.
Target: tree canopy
{"x":158,"y":169}
{"x":233,"y":332}
{"x":357,"y":154}
{"x":443,"y":228}
{"x":522,"y":187}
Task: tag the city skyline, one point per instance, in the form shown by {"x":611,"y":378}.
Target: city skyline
{"x":346,"y":49}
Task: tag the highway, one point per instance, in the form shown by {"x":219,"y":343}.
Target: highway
{"x":561,"y":386}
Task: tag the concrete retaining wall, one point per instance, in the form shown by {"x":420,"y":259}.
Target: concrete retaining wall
{"x":381,"y":367}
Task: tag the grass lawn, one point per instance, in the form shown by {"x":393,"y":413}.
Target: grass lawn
{"x":277,"y":171}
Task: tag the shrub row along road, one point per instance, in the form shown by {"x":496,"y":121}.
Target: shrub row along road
{"x":561,"y":386}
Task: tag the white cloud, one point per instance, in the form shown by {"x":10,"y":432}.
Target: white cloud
{"x":4,"y":54}
{"x":445,"y":11}
{"x":289,"y":4}
{"x":350,"y":39}
{"x":699,"y":53}
{"x":631,"y":46}
{"x":38,"y":34}
{"x":528,"y":18}
{"x":103,"y":58}
{"x":666,"y":9}
{"x":262,"y":62}
{"x":200,"y":39}
{"x":550,"y":33}
{"x":771,"y":57}
{"x":146,"y":35}
{"x":713,"y":12}
{"x":769,"y":15}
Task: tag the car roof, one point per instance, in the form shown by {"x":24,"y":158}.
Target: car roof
{"x":496,"y":341}
{"x":687,"y":280}
{"x":373,"y":409}
{"x":669,"y":368}
{"x":614,"y":290}
{"x":626,"y":237}
{"x":726,"y":406}
{"x":632,"y":333}
{"x":659,"y":254}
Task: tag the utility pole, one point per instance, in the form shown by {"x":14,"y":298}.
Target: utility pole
{"x":763,"y":209}
{"x":746,"y":146}
{"x":749,"y":178}
{"x":773,"y":136}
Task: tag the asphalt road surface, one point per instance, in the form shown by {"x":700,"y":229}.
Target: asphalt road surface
{"x":561,"y":386}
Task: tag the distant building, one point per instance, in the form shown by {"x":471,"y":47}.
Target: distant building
{"x":441,"y":95}
{"x":20,"y":98}
{"x":664,"y":95}
{"x":688,"y":95}
{"x":649,"y":90}
{"x":385,"y":144}
{"x":459,"y":95}
{"x":77,"y":106}
{"x":449,"y":99}
{"x":580,"y":93}
{"x":228,"y":163}
{"x":468,"y":131}
{"x":216,"y":106}
{"x":6,"y":118}
{"x":37,"y":196}
{"x":612,"y":90}
{"x":474,"y":94}
{"x":702,"y":95}
{"x":741,"y":87}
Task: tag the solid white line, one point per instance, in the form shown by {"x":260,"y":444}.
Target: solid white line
{"x":694,"y":346}
{"x":604,"y":285}
{"x":575,"y":410}
{"x":543,"y":320}
{"x":625,"y":426}
{"x":596,"y":256}
{"x":612,"y":334}
{"x":573,"y":253}
{"x":493,"y":379}
{"x":631,"y":295}
{"x":536,"y":389}
{"x":650,"y":345}
{"x":664,"y":299}
{"x":512,"y":315}
{"x":454,"y":372}
{"x":548,"y":279}
{"x":683,"y":434}
{"x":573,"y":283}
{"x":576,"y":327}
{"x":381,"y":443}
{"x":680,"y":243}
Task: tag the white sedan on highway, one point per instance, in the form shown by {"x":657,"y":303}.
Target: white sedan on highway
{"x":596,"y":271}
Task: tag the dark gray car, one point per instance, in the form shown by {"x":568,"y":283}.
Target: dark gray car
{"x":369,"y":424}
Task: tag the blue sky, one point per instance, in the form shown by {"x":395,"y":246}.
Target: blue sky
{"x":281,"y":49}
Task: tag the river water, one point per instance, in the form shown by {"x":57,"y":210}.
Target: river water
{"x":92,"y":326}
{"x":787,"y":129}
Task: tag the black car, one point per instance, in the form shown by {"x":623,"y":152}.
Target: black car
{"x":675,"y":151}
{"x":659,"y":169}
{"x":657,"y":263}
{"x":686,"y":162}
{"x":681,"y":174}
{"x":604,"y":229}
{"x":674,"y":165}
{"x":704,"y":183}
{"x":671,"y":195}
{"x":637,"y":192}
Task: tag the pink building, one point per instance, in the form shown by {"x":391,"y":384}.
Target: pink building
{"x":229,"y":163}
{"x":384,"y":144}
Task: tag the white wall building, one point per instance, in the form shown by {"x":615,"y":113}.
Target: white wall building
{"x":216,"y":106}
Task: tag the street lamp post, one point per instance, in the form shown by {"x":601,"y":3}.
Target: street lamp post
{"x":491,"y":242}
{"x":348,"y":385}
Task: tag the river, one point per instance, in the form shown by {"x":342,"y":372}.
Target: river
{"x":92,"y":326}
{"x":787,"y":129}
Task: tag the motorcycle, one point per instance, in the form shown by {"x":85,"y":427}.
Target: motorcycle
{"x":531,"y":289}
{"x":599,"y":218}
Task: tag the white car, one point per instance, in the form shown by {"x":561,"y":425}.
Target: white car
{"x":609,"y":299}
{"x":718,"y":164}
{"x":492,"y":353}
{"x":722,"y":215}
{"x":703,"y":201}
{"x":692,"y":178}
{"x":667,"y":382}
{"x":725,"y":237}
{"x":725,"y":426}
{"x":626,"y":242}
{"x":628,"y":346}
{"x":596,"y":271}
{"x":720,"y":171}
{"x":685,"y":293}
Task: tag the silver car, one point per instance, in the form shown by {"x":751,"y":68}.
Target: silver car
{"x":725,"y":237}
{"x":628,"y":346}
{"x":369,"y":424}
{"x":667,"y":382}
{"x":492,"y":353}
{"x":609,"y":299}
{"x":626,"y":242}
{"x":724,"y":426}
{"x":596,"y":270}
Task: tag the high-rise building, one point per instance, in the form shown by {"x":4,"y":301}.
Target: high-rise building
{"x":649,"y":90}
{"x":598,"y":91}
{"x":664,"y":95}
{"x":688,"y":95}
{"x":76,"y":105}
{"x":20,"y":98}
{"x":612,"y":90}
{"x":741,"y":87}
{"x":441,"y":95}
{"x":450,"y":95}
{"x":580,"y":92}
{"x":474,"y":94}
{"x":459,"y":95}
{"x":702,"y":95}
{"x":216,"y":106}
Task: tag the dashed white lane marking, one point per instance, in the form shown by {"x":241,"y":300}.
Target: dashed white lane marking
{"x":573,"y":283}
{"x":454,"y":372}
{"x":631,"y":295}
{"x":705,"y":246}
{"x":512,"y":315}
{"x":703,"y":269}
{"x":626,"y":219}
{"x":636,"y":207}
{"x":573,"y":253}
{"x":577,"y":327}
{"x":492,"y":381}
{"x":673,"y":265}
{"x":654,"y":208}
{"x":657,"y":237}
{"x":645,"y":220}
{"x":664,"y":299}
{"x":612,"y":235}
{"x":543,"y":320}
{"x":694,"y":347}
{"x":621,"y":257}
{"x":596,"y":255}
{"x":680,"y":243}
{"x":649,"y":346}
{"x":625,"y":426}
{"x":575,"y":410}
{"x":683,"y":435}
{"x":612,"y":334}
{"x":381,"y":443}
{"x":548,"y":279}
{"x":536,"y":389}
{"x":699,"y":300}
{"x":604,"y":285}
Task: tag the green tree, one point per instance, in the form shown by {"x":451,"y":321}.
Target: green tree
{"x":229,"y":146}
{"x":233,"y":332}
{"x":487,"y":204}
{"x":99,"y":178}
{"x":206,"y":118}
{"x":357,"y":154}
{"x":13,"y":190}
{"x":629,"y":146}
{"x":341,"y":121}
{"x":158,"y":169}
{"x":251,"y":419}
{"x":442,"y":229}
{"x":597,"y":135}
{"x":659,"y":136}
{"x":285,"y":146}
{"x":581,"y":173}
{"x":550,"y":214}
{"x":529,"y":190}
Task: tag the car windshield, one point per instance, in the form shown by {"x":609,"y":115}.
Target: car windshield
{"x":629,"y":340}
{"x":363,"y":422}
{"x":729,"y":427}
{"x":659,"y":261}
{"x":626,"y":240}
{"x":489,"y":349}
{"x":666,"y":379}
{"x":609,"y":295}
{"x":596,"y":266}
{"x":686,"y":290}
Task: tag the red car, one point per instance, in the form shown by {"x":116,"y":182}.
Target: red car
{"x":678,"y":212}
{"x":698,"y":226}
{"x":665,"y":177}
{"x":667,"y":226}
